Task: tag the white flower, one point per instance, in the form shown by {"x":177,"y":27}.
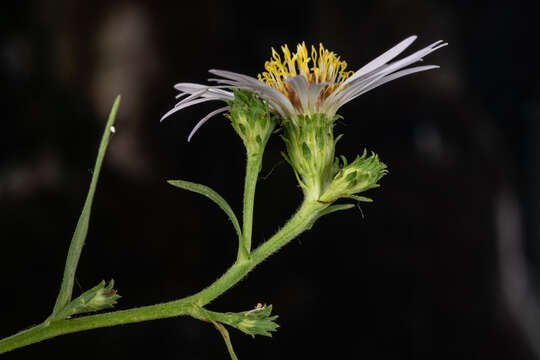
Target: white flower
{"x":303,"y":83}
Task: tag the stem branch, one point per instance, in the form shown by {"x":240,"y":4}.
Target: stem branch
{"x":300,"y":222}
{"x":253,"y":167}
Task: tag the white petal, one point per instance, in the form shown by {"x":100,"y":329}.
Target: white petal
{"x":300,"y":86}
{"x":384,"y":58}
{"x":417,"y":56}
{"x":234,"y":76}
{"x":279,"y":101}
{"x":359,"y":85}
{"x":248,"y":81}
{"x":333,"y":103}
{"x":401,"y":73}
{"x":264,"y":92}
{"x":192,"y":96}
{"x":356,"y":85}
{"x":205,"y":119}
{"x":384,"y":80}
{"x":314,"y":91}
{"x":185,"y":105}
{"x":191,"y":88}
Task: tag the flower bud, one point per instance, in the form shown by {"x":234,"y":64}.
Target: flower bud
{"x":104,"y":297}
{"x":99,"y":297}
{"x":360,"y":175}
{"x":257,"y":321}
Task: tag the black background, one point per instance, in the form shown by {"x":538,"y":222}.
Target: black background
{"x":441,"y":266}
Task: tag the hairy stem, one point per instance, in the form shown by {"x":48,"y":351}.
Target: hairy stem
{"x":300,"y":222}
{"x":252,"y":173}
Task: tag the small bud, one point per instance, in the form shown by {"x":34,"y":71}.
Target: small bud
{"x":360,"y":175}
{"x":97,"y":298}
{"x":257,"y":321}
{"x":104,"y":298}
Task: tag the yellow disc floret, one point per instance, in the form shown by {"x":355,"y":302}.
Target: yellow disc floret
{"x":318,"y":67}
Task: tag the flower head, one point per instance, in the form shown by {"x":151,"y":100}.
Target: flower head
{"x":305,"y":89}
{"x":305,"y":83}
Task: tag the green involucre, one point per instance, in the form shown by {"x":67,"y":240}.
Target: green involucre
{"x":251,"y":119}
{"x":310,"y":147}
{"x":360,"y":175}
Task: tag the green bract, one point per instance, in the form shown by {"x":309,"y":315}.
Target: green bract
{"x":99,"y":297}
{"x":251,"y":119}
{"x":310,"y":151}
{"x":360,"y":175}
{"x":311,"y":146}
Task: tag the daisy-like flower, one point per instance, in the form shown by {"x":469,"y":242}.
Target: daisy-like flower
{"x":305,"y":83}
{"x":304,"y":90}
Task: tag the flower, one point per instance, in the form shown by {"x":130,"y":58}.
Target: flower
{"x":304,"y":84}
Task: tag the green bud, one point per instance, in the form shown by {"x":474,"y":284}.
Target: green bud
{"x":104,"y":298}
{"x":257,"y":321}
{"x":97,"y":298}
{"x":251,"y":119}
{"x":253,"y":322}
{"x":360,"y":175}
{"x":310,"y":144}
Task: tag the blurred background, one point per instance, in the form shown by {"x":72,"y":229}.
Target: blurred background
{"x":444,"y":264}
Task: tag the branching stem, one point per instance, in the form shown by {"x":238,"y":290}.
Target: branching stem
{"x":300,"y":222}
{"x":253,"y":168}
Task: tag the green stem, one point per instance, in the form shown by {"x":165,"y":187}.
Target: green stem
{"x":301,"y":221}
{"x":252,"y":174}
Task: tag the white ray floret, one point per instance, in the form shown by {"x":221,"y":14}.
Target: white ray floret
{"x":305,"y":85}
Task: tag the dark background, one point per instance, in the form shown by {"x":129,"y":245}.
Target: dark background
{"x":443,"y":265}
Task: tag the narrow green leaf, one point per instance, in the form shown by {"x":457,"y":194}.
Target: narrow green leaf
{"x":360,"y":198}
{"x":212,"y":195}
{"x":223,"y":331}
{"x":334,"y":208}
{"x":81,"y":230}
{"x":329,"y":210}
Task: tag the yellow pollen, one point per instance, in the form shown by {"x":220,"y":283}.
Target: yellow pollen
{"x":318,"y":67}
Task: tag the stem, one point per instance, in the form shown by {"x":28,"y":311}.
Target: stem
{"x":252,"y":174}
{"x":300,"y":222}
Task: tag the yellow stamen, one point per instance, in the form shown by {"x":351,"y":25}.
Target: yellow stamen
{"x":322,"y":66}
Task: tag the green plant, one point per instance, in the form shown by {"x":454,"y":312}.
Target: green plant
{"x":293,"y":97}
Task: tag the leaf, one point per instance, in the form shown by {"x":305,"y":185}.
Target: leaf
{"x":81,"y":230}
{"x":360,"y":198}
{"x":329,"y":210}
{"x":223,"y":331}
{"x":212,"y":195}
